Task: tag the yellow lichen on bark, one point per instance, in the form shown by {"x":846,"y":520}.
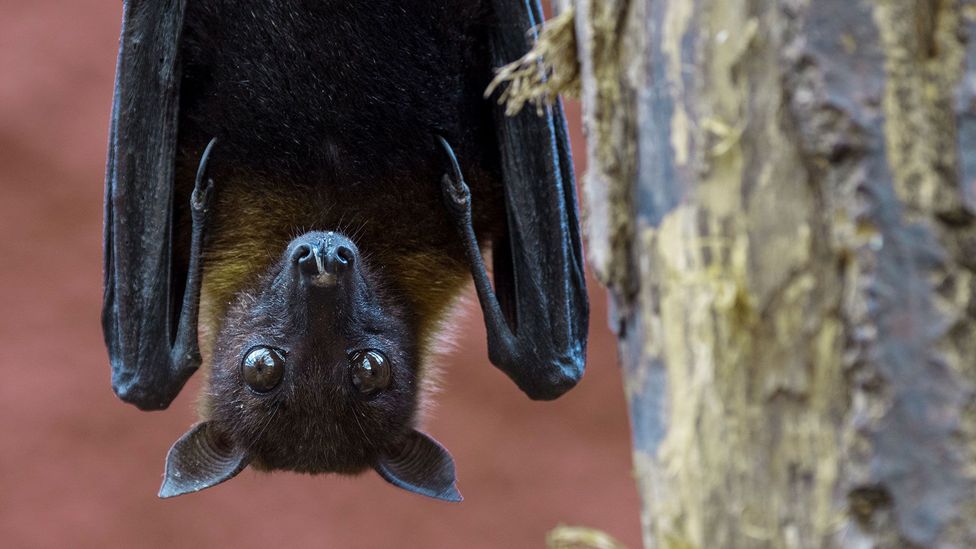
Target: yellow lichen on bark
{"x":778,"y":207}
{"x":923,"y":62}
{"x":548,"y":70}
{"x":925,"y":52}
{"x":609,"y":38}
{"x":742,"y":308}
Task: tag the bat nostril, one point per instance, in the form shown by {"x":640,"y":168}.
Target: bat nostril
{"x":304,"y":258}
{"x":301,"y":252}
{"x":344,"y":257}
{"x":338,"y":259}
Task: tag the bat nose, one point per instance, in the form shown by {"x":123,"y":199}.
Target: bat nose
{"x":326,"y":257}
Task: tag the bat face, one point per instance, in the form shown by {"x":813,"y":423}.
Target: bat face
{"x":312,"y":372}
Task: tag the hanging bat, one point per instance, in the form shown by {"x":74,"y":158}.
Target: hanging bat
{"x":305,"y":186}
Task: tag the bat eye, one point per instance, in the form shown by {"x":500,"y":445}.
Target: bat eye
{"x":262,"y":368}
{"x":370,"y":371}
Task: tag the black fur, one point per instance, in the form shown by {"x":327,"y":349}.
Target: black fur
{"x":327,"y":88}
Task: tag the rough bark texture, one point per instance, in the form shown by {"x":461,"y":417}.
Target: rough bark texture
{"x":781,"y":199}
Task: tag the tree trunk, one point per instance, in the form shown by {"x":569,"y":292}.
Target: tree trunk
{"x":781,"y":199}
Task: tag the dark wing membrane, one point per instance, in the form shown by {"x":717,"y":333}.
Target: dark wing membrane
{"x":542,"y":284}
{"x":136,"y":317}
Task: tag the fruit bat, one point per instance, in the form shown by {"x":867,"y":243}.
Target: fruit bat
{"x":296,"y":193}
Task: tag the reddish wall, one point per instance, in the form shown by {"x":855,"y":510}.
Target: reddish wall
{"x":78,"y":468}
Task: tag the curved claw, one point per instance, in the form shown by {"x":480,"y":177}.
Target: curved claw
{"x":452,"y":157}
{"x":456,"y":191}
{"x":200,"y":199}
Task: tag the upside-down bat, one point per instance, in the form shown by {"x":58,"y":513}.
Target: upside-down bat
{"x":313,"y":180}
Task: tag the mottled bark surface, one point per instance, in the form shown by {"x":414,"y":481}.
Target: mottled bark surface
{"x":781,"y":199}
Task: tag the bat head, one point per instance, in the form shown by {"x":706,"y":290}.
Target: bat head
{"x":314,"y":371}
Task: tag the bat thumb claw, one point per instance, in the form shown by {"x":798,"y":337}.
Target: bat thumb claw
{"x":203,"y":188}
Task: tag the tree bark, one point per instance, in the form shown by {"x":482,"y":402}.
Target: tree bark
{"x":780,"y":199}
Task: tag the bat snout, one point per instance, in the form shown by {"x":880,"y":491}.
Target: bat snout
{"x":324,"y":257}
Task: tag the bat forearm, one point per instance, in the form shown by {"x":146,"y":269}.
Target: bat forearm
{"x":541,"y":375}
{"x":186,"y":349}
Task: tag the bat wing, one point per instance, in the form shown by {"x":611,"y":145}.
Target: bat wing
{"x":537,"y":313}
{"x":147,"y":330}
{"x":538,"y":272}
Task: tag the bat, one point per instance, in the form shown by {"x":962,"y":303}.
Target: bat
{"x":296,"y":194}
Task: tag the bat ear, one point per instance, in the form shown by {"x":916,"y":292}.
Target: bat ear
{"x":421,"y":465}
{"x":201,"y":458}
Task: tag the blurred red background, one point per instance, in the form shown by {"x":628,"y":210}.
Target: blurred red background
{"x":78,"y":468}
